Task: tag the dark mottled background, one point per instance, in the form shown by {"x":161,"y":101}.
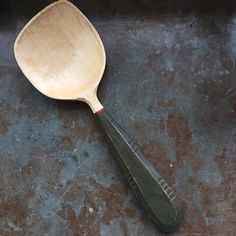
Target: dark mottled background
{"x":170,"y":81}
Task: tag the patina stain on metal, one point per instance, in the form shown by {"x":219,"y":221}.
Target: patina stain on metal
{"x":170,"y":81}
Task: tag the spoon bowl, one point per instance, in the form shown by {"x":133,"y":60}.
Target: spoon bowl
{"x":61,"y":54}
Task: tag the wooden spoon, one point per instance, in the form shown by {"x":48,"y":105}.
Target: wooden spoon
{"x":62,"y":55}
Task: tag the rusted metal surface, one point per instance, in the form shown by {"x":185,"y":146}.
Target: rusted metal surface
{"x":170,"y":82}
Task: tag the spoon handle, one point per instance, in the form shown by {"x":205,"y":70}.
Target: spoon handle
{"x":154,"y":194}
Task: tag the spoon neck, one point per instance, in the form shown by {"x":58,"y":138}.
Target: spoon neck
{"x":92,"y":100}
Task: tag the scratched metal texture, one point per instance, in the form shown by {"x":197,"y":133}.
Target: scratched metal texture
{"x":170,"y":82}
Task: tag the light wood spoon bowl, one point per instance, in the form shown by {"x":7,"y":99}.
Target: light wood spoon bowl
{"x":62,"y":55}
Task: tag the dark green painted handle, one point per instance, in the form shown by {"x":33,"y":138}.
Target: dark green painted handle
{"x":155,"y":195}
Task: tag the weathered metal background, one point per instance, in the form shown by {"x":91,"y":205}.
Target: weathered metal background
{"x":170,"y":81}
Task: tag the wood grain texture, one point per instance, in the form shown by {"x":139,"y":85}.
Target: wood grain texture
{"x":61,"y":54}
